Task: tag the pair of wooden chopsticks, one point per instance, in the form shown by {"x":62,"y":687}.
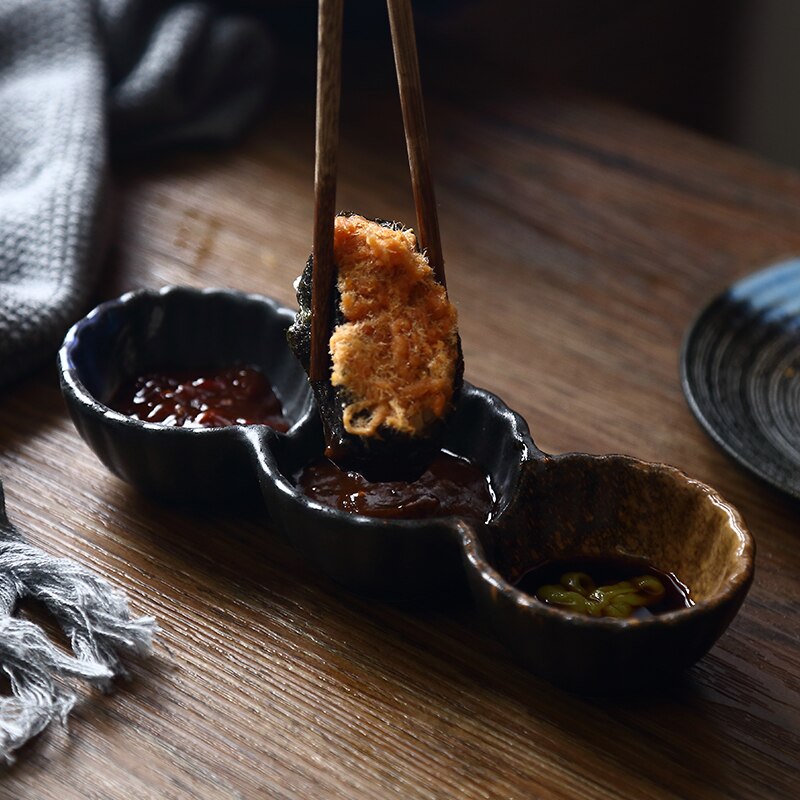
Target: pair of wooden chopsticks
{"x":329,"y":73}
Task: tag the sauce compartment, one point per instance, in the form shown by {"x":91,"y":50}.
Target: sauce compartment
{"x":170,"y":329}
{"x":577,"y":505}
{"x":407,"y":561}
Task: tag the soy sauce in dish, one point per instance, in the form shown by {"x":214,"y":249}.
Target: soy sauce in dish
{"x":202,"y":398}
{"x":450,"y":486}
{"x":606,"y":586}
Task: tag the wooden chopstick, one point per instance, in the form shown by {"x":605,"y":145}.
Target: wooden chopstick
{"x":329,"y":72}
{"x":401,"y":20}
{"x":329,"y":79}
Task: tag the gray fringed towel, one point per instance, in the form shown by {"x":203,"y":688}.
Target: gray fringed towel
{"x":94,"y":617}
{"x":153,"y":73}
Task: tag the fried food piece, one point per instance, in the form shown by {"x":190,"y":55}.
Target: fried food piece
{"x":394,"y":355}
{"x":395,"y":351}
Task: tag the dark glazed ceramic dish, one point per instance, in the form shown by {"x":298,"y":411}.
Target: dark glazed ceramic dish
{"x":740,"y":370}
{"x":399,"y":560}
{"x":576,"y":505}
{"x":172,"y":328}
{"x":546,"y":506}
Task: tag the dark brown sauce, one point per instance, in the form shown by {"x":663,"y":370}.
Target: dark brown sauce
{"x":450,"y":486}
{"x":608,"y":571}
{"x":202,"y":399}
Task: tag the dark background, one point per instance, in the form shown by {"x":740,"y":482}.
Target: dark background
{"x":728,"y":68}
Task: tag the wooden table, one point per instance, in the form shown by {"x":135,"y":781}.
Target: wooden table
{"x":581,"y":239}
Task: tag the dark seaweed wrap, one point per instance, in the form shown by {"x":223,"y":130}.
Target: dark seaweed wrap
{"x":389,"y":455}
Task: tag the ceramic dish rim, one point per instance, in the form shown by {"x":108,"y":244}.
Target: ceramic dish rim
{"x":520,"y":432}
{"x":68,"y":371}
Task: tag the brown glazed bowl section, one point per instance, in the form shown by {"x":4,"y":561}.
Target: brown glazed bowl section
{"x":582,"y":505}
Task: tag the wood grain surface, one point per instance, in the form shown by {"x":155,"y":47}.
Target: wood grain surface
{"x":581,"y":239}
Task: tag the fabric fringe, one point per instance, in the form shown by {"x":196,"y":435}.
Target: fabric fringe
{"x":93,"y":615}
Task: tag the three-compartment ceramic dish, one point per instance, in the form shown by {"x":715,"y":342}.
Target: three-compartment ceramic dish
{"x":546,"y":506}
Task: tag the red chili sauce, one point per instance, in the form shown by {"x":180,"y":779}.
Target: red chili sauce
{"x":451,"y":486}
{"x":202,"y":399}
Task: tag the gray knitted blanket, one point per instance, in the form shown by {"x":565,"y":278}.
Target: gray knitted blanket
{"x":76,"y":77}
